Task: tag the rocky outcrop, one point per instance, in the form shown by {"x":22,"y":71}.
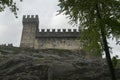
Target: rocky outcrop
{"x":50,"y":64}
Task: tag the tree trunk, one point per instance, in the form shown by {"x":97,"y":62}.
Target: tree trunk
{"x":105,"y":45}
{"x":108,"y":57}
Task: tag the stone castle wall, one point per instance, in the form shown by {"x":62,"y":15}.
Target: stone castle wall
{"x":62,"y":43}
{"x":58,"y":39}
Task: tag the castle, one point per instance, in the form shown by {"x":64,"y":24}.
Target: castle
{"x":57,"y":39}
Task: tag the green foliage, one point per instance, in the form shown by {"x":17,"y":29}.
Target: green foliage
{"x":115,"y":61}
{"x":118,"y":63}
{"x":85,"y":13}
{"x":10,"y":4}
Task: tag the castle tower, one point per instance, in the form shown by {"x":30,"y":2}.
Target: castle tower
{"x":30,"y":29}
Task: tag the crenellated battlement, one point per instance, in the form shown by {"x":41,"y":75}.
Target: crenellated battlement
{"x":59,"y":30}
{"x":58,"y":33}
{"x":30,"y":19}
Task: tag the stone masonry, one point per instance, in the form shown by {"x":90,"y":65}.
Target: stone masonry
{"x":57,"y":39}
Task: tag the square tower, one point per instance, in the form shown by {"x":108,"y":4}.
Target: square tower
{"x":30,"y":29}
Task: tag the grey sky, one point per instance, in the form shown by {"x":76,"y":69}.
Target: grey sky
{"x":11,"y":28}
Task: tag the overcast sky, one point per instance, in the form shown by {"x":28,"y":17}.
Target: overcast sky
{"x":11,"y":28}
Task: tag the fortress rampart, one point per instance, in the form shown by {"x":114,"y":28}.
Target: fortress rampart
{"x":32,"y":37}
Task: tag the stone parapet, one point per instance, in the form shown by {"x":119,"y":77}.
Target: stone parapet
{"x":30,"y":19}
{"x":57,"y":35}
{"x":59,"y":30}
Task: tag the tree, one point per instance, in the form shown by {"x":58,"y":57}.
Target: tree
{"x":10,"y":4}
{"x":98,"y":21}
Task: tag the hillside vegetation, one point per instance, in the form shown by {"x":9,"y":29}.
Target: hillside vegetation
{"x":50,"y":64}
